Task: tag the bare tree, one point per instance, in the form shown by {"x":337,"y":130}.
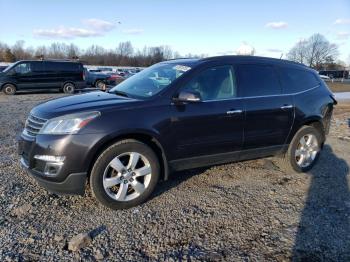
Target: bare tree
{"x":72,"y":51}
{"x":125,"y":49}
{"x":40,"y":52}
{"x":3,"y":48}
{"x":19,"y":51}
{"x":319,"y":48}
{"x":314,"y":51}
{"x":9,"y":56}
{"x":298,"y":52}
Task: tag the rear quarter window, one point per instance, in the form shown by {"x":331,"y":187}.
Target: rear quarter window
{"x":257,"y":80}
{"x":63,"y":67}
{"x":297,"y":80}
{"x":68,"y":67}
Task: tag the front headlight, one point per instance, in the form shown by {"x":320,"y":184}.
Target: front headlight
{"x":68,"y":124}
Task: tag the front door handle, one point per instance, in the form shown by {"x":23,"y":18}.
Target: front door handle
{"x":286,"y":106}
{"x":231,"y":112}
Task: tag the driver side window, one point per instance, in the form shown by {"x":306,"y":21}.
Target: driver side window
{"x":23,"y":68}
{"x":214,"y":83}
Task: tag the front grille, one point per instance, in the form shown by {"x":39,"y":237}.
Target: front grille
{"x":33,"y":125}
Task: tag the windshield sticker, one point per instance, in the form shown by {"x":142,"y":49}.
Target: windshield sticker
{"x":182,"y":68}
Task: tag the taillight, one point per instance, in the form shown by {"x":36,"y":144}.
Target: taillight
{"x":83,"y":74}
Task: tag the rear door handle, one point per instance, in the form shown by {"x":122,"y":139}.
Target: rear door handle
{"x":286,"y":106}
{"x":231,"y":112}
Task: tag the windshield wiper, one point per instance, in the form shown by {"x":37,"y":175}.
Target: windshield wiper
{"x":120,"y":93}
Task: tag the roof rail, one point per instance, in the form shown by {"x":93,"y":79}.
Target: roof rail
{"x":42,"y":58}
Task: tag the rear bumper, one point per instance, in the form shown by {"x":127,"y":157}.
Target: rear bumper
{"x":74,"y":184}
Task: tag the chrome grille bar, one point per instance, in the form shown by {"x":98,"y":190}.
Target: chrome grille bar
{"x":33,"y":125}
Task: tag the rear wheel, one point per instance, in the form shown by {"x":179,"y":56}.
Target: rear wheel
{"x":9,"y":89}
{"x":68,"y":88}
{"x":101,"y":85}
{"x":303,"y":151}
{"x":125,"y":174}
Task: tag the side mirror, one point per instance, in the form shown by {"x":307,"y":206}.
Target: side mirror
{"x":188,"y":97}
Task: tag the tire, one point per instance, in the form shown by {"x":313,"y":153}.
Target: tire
{"x":123,"y":186}
{"x":292,"y":160}
{"x":68,"y":88}
{"x":100,"y":85}
{"x":9,"y":89}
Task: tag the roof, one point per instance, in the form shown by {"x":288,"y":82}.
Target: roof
{"x":50,"y":60}
{"x":236,"y":58}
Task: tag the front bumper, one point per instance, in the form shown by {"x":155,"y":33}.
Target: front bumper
{"x":73,"y":184}
{"x":70,"y":178}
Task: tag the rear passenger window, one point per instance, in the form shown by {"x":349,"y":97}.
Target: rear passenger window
{"x":37,"y":66}
{"x":257,"y":80}
{"x":296,"y":80}
{"x":61,"y":66}
{"x":50,"y":66}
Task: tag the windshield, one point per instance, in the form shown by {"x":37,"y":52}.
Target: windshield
{"x":151,"y":81}
{"x":9,"y":67}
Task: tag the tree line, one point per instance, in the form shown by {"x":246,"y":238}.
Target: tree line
{"x":123,"y":55}
{"x":316,"y":52}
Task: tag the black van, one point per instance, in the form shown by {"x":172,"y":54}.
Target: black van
{"x":42,"y":74}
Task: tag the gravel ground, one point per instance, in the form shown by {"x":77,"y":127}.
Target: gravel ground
{"x":248,"y":211}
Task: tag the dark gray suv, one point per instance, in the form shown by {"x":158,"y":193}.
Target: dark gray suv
{"x":177,"y":115}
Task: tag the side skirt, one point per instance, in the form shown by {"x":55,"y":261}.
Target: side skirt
{"x":222,"y":158}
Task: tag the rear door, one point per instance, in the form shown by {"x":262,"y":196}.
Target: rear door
{"x":39,"y":78}
{"x":269,"y":113}
{"x":52,"y":74}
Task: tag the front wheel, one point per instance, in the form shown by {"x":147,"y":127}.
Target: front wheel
{"x":303,"y":151}
{"x":9,"y":89}
{"x":125,"y":174}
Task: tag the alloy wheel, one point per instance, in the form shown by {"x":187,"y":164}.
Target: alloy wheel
{"x":307,"y":150}
{"x":127,"y":176}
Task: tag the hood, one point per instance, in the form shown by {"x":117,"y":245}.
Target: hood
{"x":94,"y":101}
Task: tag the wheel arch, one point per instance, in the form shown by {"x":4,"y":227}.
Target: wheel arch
{"x":96,"y":80}
{"x":143,"y":137}
{"x":315,"y":121}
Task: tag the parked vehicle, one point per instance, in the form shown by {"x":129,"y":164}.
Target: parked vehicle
{"x":335,"y":73}
{"x":98,"y":80}
{"x":106,"y":70}
{"x":115,"y":79}
{"x":324,"y":77}
{"x":209,"y":111}
{"x":66,"y":76}
{"x":121,"y":72}
{"x":2,"y":68}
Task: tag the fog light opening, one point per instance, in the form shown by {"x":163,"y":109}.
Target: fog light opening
{"x":53,"y":164}
{"x":52,"y":169}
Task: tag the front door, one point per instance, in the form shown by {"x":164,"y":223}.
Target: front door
{"x":213,"y":126}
